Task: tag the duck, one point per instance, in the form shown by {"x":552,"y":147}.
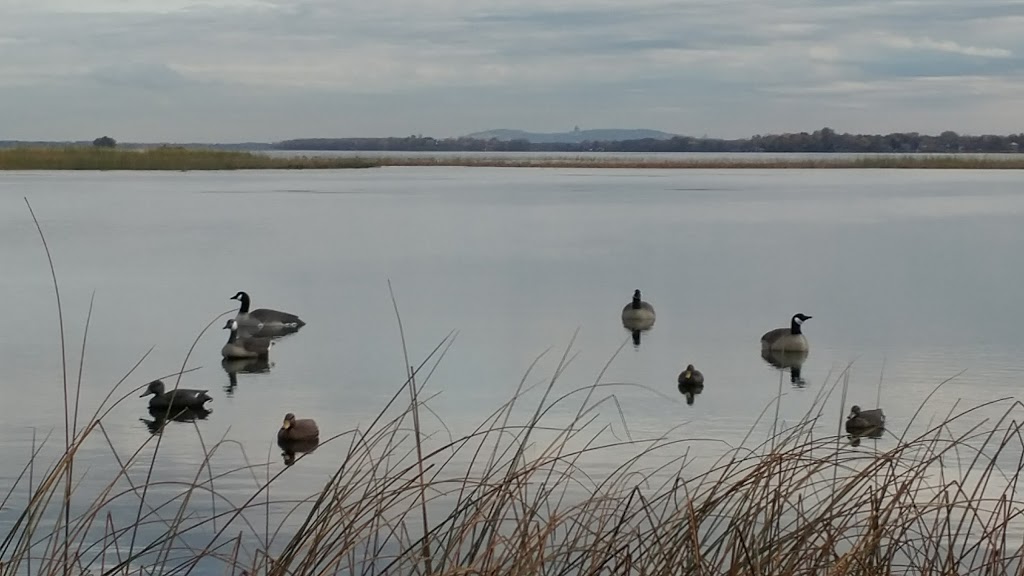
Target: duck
{"x":297,"y":430}
{"x":691,"y":377}
{"x":638,"y":315}
{"x":264,"y":320}
{"x":790,"y":339}
{"x":861,"y":421}
{"x":244,"y":345}
{"x":181,"y":398}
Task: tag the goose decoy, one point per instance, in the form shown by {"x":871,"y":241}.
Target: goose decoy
{"x":180,"y":399}
{"x":864,"y":421}
{"x":244,"y":345}
{"x":789,"y":339}
{"x":638,"y":315}
{"x":691,"y":377}
{"x":264,"y":321}
{"x":293,"y":430}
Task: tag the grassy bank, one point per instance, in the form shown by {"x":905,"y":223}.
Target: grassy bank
{"x":718,"y":162}
{"x":176,"y":158}
{"x":163,"y":158}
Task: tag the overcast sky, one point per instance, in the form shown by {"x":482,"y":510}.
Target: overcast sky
{"x":234,"y":70}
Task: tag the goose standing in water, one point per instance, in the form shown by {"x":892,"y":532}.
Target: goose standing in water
{"x":244,"y":345}
{"x":638,"y":315}
{"x":790,"y":339}
{"x":264,"y":321}
{"x":864,"y":421}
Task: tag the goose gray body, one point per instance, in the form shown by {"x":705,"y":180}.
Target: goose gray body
{"x":860,"y":421}
{"x":264,"y":321}
{"x":244,"y":345}
{"x":691,"y":377}
{"x":638,"y":315}
{"x":182,"y":398}
{"x":789,"y":339}
{"x":295,"y":430}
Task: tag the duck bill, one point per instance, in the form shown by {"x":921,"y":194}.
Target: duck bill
{"x":686,"y":374}
{"x":286,"y":425}
{"x":144,"y":394}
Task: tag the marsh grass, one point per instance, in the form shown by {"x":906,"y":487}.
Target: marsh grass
{"x":907,"y":161}
{"x":162,"y":158}
{"x":181,"y":158}
{"x":519,"y":495}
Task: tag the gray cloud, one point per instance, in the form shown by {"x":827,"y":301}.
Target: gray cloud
{"x":260,"y":69}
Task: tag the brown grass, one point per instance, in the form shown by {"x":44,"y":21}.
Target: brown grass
{"x":162,"y":158}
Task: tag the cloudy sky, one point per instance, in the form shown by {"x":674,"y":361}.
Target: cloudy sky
{"x":235,"y":70}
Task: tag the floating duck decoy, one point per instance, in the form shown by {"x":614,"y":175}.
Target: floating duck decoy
{"x":862,"y":422}
{"x":175,"y":399}
{"x":293,"y":429}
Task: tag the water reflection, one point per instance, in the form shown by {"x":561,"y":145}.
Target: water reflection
{"x":161,"y":416}
{"x":290,"y":448}
{"x":234,"y":366}
{"x":791,"y":360}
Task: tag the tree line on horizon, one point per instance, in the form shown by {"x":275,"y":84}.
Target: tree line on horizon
{"x":823,"y":140}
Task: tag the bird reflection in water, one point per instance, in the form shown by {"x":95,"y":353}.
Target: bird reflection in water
{"x":234,"y":366}
{"x":787,"y":360}
{"x":161,"y":416}
{"x":291,"y":448}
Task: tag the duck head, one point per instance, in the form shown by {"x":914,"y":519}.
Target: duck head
{"x":156,"y":387}
{"x":689,"y":371}
{"x":289,"y":421}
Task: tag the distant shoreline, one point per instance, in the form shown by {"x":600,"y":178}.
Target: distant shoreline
{"x":187,"y":159}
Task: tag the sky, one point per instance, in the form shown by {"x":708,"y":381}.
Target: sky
{"x":267,"y":70}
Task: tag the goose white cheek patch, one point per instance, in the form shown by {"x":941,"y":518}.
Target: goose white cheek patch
{"x":798,"y":321}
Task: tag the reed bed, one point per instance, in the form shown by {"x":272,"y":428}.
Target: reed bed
{"x":519,"y":495}
{"x":162,"y":158}
{"x":908,"y":161}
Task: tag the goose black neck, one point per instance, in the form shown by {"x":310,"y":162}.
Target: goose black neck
{"x":244,"y":308}
{"x":794,"y":326}
{"x":232,"y":336}
{"x":636,"y":303}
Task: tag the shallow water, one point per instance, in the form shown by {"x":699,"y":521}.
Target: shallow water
{"x":911,"y":276}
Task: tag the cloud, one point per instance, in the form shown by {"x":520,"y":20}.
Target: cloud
{"x":267,"y":69}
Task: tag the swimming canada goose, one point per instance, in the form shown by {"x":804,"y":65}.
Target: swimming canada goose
{"x":691,"y":377}
{"x":638,"y":315}
{"x":244,"y":345}
{"x":181,"y":398}
{"x":264,"y":321}
{"x":789,"y":339}
{"x":293,"y":430}
{"x":861,"y":421}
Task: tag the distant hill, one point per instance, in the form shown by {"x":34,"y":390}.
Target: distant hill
{"x":574,"y":137}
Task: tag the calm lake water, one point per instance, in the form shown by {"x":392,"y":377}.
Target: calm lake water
{"x":911,"y":276}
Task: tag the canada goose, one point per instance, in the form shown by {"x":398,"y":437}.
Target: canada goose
{"x":181,"y":398}
{"x":691,"y":377}
{"x":264,"y":321}
{"x":638,"y":315}
{"x":861,"y":421}
{"x":293,"y":430}
{"x":244,"y":346}
{"x":789,"y":339}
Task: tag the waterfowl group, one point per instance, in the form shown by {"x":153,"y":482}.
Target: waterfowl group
{"x":251,"y":335}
